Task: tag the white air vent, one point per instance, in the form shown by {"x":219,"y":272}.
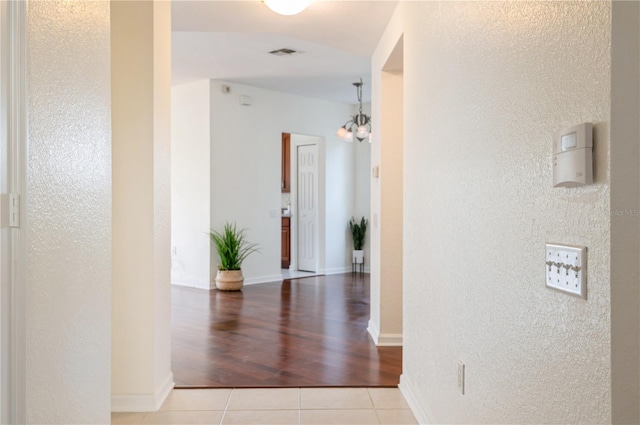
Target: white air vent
{"x":284,"y":52}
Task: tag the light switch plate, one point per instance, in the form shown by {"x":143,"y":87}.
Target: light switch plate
{"x":566,"y":269}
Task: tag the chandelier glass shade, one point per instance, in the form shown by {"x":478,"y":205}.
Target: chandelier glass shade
{"x":287,"y":7}
{"x":359,"y":126}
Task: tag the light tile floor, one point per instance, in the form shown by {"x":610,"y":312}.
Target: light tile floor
{"x":278,"y":406}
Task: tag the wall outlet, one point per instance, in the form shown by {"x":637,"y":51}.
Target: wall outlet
{"x":461,"y":377}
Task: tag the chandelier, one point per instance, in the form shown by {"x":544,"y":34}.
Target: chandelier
{"x":287,"y":7}
{"x":360,"y":124}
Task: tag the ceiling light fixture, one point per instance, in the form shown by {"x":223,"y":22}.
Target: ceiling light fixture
{"x":287,"y":7}
{"x":360,"y":122}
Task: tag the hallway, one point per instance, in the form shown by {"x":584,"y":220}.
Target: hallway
{"x":307,"y":332}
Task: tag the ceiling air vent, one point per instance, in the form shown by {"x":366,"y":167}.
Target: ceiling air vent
{"x":284,"y":52}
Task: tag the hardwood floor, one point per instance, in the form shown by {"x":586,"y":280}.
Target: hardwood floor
{"x":307,"y":332}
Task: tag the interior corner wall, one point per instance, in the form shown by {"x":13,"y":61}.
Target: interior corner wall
{"x":487,"y":86}
{"x":246,"y":170}
{"x":190,"y":185}
{"x":140,"y":74}
{"x":625,"y":212}
{"x":67,"y":213}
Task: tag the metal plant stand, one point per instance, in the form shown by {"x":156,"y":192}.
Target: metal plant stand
{"x":355,"y":268}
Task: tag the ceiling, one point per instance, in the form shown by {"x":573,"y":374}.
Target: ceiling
{"x":230,"y":40}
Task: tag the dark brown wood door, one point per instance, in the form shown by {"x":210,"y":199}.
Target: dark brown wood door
{"x":286,"y":163}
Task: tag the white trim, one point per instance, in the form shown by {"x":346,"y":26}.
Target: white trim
{"x":5,"y":252}
{"x":162,"y":392}
{"x":336,"y":270}
{"x":194,"y":283}
{"x":263,"y":279}
{"x":16,"y":52}
{"x":383,"y":340}
{"x":413,"y":400}
{"x":389,"y":340}
{"x":143,"y":402}
{"x":374,"y":333}
{"x":341,"y":270}
{"x":132,"y":403}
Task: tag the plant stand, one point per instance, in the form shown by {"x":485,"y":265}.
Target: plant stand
{"x":357,"y":260}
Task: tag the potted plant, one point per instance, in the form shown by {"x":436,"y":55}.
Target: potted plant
{"x":232,"y":249}
{"x":358,"y":232}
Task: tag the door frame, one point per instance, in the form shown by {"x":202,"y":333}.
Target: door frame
{"x":13,"y":148}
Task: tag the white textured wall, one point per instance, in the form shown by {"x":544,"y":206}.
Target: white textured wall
{"x":141,"y":354}
{"x":245,"y":170}
{"x":68,"y":211}
{"x":487,"y":85}
{"x":339,"y":180}
{"x":190,"y":184}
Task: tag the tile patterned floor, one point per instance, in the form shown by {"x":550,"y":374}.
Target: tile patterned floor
{"x":280,"y":406}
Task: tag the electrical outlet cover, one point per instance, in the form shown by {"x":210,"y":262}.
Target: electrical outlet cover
{"x":566,"y":268}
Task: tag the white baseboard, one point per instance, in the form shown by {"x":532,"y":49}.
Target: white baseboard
{"x":143,"y":402}
{"x":374,"y":333}
{"x":337,"y":270}
{"x":194,"y":283}
{"x":389,"y":340}
{"x":263,"y":279}
{"x":162,"y":391}
{"x":383,"y":340}
{"x":341,"y":270}
{"x":413,"y":400}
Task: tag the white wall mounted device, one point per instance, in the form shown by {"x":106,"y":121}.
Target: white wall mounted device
{"x":573,"y":157}
{"x":566,"y":268}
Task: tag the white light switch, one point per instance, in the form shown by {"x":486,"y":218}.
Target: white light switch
{"x":566,"y":268}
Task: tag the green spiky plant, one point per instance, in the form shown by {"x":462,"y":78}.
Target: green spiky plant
{"x":358,"y":232}
{"x":232,"y":246}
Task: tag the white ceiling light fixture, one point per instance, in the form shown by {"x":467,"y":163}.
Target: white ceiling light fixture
{"x":360,"y":124}
{"x":287,"y":7}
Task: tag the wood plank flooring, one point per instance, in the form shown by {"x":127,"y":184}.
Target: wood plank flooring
{"x":308,"y":332}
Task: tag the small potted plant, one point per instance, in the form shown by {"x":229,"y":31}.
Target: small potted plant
{"x":358,"y":232}
{"x":232,"y":249}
